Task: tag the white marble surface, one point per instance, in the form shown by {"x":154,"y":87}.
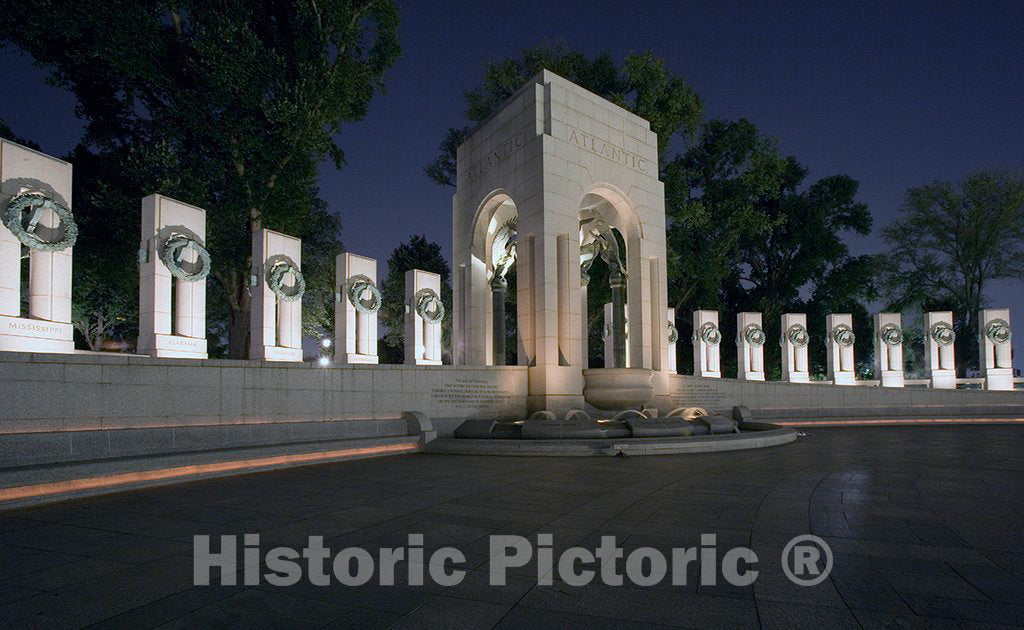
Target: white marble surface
{"x":551,"y":150}
{"x":422,"y":338}
{"x":276,"y":325}
{"x":355,"y":332}
{"x":46,"y":327}
{"x":162,"y":218}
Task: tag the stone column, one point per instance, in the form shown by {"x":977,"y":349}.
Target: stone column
{"x":355,"y":330}
{"x":939,"y":356}
{"x":995,"y":348}
{"x":47,"y":326}
{"x":706,"y":344}
{"x":584,"y":325}
{"x":750,"y":338}
{"x":673,"y":338}
{"x":164,"y":223}
{"x":889,"y":349}
{"x":498,"y":287}
{"x":422,"y":335}
{"x":525,"y":314}
{"x":841,"y":368}
{"x":794,"y":342}
{"x":618,"y":285}
{"x":276,"y":321}
{"x":609,"y":338}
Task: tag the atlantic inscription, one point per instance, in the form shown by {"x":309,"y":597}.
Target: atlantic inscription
{"x":497,"y":155}
{"x":607,"y":150}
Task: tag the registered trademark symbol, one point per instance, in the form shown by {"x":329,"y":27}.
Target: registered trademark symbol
{"x":807,"y":560}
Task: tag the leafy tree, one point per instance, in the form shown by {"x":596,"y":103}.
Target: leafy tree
{"x":951,"y":242}
{"x":805,"y":253}
{"x":416,"y":253}
{"x":105,"y":303}
{"x":231,"y":105}
{"x":745,"y":234}
{"x":712,"y":193}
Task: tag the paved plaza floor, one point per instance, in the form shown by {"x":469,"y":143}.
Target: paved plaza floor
{"x":925,"y":525}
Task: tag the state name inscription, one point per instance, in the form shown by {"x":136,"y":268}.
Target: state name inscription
{"x":470,"y":393}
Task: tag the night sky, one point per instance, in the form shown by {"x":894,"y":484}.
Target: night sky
{"x":895,"y":94}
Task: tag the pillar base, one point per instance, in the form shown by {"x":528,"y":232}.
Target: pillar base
{"x":893,"y":378}
{"x":999,"y":379}
{"x":278,"y":353}
{"x":174,"y":347}
{"x":348,"y":358}
{"x":797,"y":377}
{"x":554,"y":388}
{"x":709,"y":374}
{"x":753,"y":376}
{"x":21,"y":334}
{"x":425,"y":362}
{"x":943,"y":379}
{"x":844,"y":378}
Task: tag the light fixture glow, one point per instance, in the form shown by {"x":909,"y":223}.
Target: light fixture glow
{"x":325,"y":342}
{"x":324,"y":361}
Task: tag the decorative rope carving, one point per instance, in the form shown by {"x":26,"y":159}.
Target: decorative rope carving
{"x":891,"y":335}
{"x":429,"y":305}
{"x":709,"y":334}
{"x":358,"y":286}
{"x":174,"y":250}
{"x":998,"y":331}
{"x":275,"y":280}
{"x":943,"y":333}
{"x":843,"y":335}
{"x":35,"y":203}
{"x":797,"y":335}
{"x":754,"y":335}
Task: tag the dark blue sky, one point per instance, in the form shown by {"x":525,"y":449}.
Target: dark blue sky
{"x":895,"y":94}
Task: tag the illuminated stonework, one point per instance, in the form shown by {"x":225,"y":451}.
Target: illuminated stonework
{"x":175,"y":272}
{"x":35,"y":192}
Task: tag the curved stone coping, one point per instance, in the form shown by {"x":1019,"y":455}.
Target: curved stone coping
{"x":755,"y":435}
{"x":44,"y":484}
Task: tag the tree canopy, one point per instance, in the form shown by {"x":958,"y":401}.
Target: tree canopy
{"x":227,"y":105}
{"x":416,"y":253}
{"x":951,"y":242}
{"x":747,"y":232}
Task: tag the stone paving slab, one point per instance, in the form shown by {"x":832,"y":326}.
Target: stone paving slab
{"x":924,"y":523}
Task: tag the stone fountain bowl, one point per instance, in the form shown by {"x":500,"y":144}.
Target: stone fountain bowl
{"x":614,"y":389}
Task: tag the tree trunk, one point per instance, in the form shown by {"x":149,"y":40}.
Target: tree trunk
{"x":238,"y":319}
{"x":967,"y":344}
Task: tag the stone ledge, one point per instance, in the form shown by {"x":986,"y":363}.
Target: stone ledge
{"x":43,"y":448}
{"x":765,"y":435}
{"x":43,"y":484}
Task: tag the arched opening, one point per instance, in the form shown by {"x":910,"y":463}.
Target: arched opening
{"x":609,"y":243}
{"x":495,"y":249}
